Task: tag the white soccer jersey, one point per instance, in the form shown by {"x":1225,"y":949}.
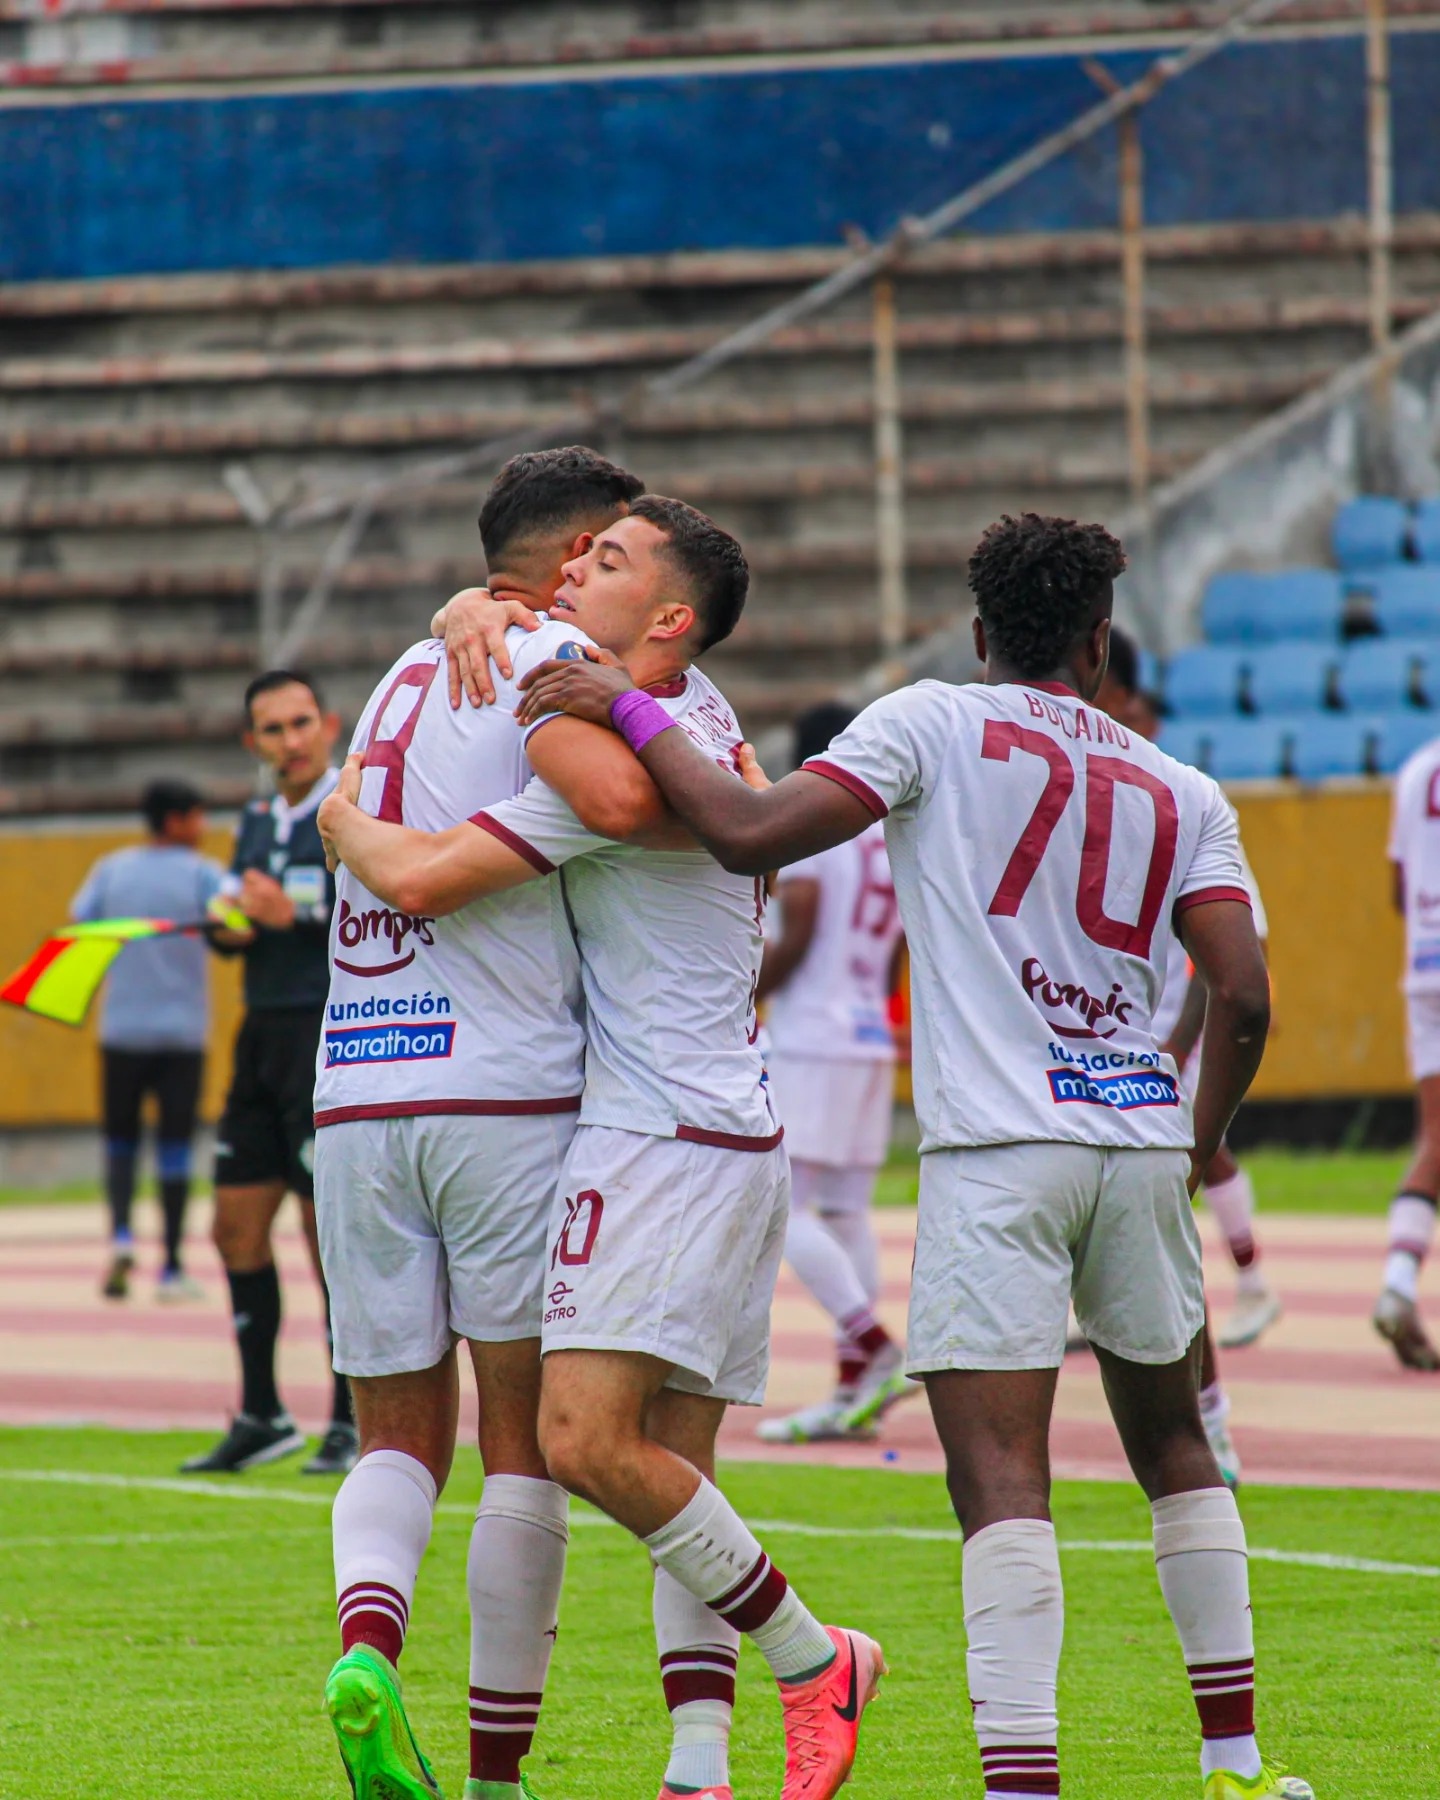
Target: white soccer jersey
{"x":1177,"y":964}
{"x":835,"y":1003}
{"x":670,"y":951}
{"x":1039,"y":853}
{"x":478,"y":1012}
{"x":1415,"y":846}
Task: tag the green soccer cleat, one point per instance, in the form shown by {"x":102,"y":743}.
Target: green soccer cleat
{"x":498,"y":1790}
{"x":1272,"y":1783}
{"x":377,"y":1746}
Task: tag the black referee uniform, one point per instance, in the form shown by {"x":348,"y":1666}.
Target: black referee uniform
{"x":267,"y":1133}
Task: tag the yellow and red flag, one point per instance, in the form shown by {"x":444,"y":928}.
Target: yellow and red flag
{"x":64,"y":975}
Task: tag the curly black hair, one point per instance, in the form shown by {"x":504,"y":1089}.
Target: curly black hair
{"x":1036,"y":583}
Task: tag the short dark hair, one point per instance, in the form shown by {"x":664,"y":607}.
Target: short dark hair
{"x":815,"y":729}
{"x":710,"y":560}
{"x":1124,"y":660}
{"x":540,"y":490}
{"x":1036,"y":582}
{"x":279,"y":678}
{"x":162,"y":800}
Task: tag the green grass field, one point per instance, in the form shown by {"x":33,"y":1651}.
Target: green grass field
{"x":173,"y":1639}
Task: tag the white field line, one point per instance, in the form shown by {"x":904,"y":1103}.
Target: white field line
{"x":910,"y":1534}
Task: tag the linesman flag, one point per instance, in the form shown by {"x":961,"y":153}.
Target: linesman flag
{"x":64,"y":975}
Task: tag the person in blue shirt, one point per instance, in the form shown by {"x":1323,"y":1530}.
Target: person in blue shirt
{"x":154,"y":1020}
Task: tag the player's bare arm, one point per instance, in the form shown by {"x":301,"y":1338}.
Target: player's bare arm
{"x":748,"y":832}
{"x":799,"y":909}
{"x":423,"y":873}
{"x":1221,"y":940}
{"x":600,"y":779}
{"x":1189,"y":1025}
{"x":473,"y":624}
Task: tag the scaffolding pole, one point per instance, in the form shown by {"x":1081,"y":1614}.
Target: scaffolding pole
{"x":889,"y":473}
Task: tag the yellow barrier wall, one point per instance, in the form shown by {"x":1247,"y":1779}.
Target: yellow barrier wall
{"x":1335,"y":940}
{"x":49,"y":1074}
{"x":1335,"y":946}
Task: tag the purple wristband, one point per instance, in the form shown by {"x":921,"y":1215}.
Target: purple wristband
{"x":638,"y":717}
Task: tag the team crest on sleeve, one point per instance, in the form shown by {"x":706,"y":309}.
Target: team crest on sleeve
{"x":571,"y":651}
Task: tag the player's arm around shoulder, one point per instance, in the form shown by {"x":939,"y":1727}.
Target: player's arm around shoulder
{"x":422,"y":873}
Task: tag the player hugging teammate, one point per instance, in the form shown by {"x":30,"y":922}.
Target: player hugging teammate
{"x":1058,"y":1145}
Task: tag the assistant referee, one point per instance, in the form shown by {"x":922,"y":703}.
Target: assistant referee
{"x":265,"y":1147}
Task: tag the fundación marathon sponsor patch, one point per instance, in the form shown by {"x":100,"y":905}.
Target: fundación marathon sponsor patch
{"x":1124,"y":1092}
{"x":390,"y":1043}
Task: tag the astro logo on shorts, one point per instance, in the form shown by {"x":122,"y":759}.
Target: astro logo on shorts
{"x":390,"y":1044}
{"x":1135,"y":1088}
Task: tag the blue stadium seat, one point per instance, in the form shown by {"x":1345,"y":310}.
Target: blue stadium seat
{"x":1188,"y":740}
{"x":1407,"y":601}
{"x":1291,"y":678}
{"x":1227,"y":613}
{"x":1388,"y":674}
{"x":1401,"y":735}
{"x":1426,"y":531}
{"x":1204,"y":681}
{"x":1148,"y":671}
{"x":1299,"y":604}
{"x":1333,"y":744}
{"x":1247,"y":749}
{"x":1369,"y":533}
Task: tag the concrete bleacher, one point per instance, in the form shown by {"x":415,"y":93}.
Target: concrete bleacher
{"x":128,"y":571}
{"x":118,"y":43}
{"x":122,"y":402}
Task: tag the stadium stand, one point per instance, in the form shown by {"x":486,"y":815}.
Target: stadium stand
{"x":124,"y":400}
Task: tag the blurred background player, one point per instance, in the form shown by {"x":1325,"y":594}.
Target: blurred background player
{"x":1415,"y":858}
{"x":828,"y":975}
{"x":1179,"y":1021}
{"x":266,"y":1143}
{"x":154,"y":1021}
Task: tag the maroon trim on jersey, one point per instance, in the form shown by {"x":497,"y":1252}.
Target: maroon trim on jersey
{"x":727,"y":1140}
{"x":1050,"y":687}
{"x":1203,"y":897}
{"x":671,"y":688}
{"x":862,"y":790}
{"x":439,"y":1109}
{"x":513,"y":841}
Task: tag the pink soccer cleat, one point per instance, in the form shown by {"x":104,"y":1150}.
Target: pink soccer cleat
{"x":709,"y":1793}
{"x":822,"y":1717}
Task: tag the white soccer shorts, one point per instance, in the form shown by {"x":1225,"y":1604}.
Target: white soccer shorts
{"x":433,"y":1229}
{"x":1008,"y":1233}
{"x":670,"y":1249}
{"x":835,"y":1112}
{"x":1422,"y":1021}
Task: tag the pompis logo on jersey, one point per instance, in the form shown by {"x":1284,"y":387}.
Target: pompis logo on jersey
{"x":1113,"y":1010}
{"x":377,"y":922}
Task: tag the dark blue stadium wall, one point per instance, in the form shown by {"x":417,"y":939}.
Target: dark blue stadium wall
{"x":496,"y":171}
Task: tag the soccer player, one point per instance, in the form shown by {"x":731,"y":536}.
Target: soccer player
{"x":449,"y":1080}
{"x":1415,"y":861}
{"x":1040,"y":853}
{"x":670,"y":1214}
{"x":265,"y":1147}
{"x":828,"y":976}
{"x":154,"y":1021}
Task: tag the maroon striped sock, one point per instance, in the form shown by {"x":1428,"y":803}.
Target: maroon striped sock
{"x":701,"y":1673}
{"x":866,"y":1332}
{"x":502,"y":1729}
{"x":370,"y":1612}
{"x":753,"y":1600}
{"x":1224,"y":1697}
{"x":1020,"y":1768}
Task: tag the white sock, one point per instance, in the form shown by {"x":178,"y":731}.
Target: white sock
{"x":820,"y":1260}
{"x":842,"y":1198}
{"x":1412,"y":1231}
{"x":1214,"y":1402}
{"x":1233,"y":1204}
{"x":1204,"y":1572}
{"x":698,"y":1654}
{"x":380,"y":1527}
{"x":513,"y":1574}
{"x":1014,"y":1621}
{"x":712,"y":1553}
